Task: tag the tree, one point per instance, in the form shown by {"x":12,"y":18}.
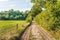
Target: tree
{"x":49,"y":18}
{"x":13,"y":15}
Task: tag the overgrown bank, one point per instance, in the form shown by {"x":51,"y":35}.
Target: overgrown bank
{"x":50,"y":20}
{"x":47,"y":14}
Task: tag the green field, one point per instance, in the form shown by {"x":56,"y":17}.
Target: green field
{"x":14,"y":28}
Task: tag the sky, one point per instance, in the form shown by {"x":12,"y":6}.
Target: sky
{"x":21,"y":5}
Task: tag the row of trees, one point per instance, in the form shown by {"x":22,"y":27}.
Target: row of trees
{"x":13,"y":15}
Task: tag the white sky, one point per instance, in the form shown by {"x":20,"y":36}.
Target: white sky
{"x":15,"y":4}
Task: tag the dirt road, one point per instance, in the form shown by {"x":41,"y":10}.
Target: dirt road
{"x":35,"y":32}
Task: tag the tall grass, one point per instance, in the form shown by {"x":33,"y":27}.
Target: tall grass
{"x":11,"y":26}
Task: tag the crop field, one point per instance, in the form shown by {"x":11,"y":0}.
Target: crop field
{"x":8,"y":28}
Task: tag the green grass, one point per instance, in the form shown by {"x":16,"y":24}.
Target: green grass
{"x":11,"y":26}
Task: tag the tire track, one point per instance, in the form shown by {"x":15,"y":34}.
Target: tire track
{"x":35,"y":32}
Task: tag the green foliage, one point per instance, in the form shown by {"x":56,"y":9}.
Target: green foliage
{"x":48,"y":18}
{"x":13,"y":15}
{"x":36,"y":9}
{"x":29,"y":18}
{"x":38,"y":5}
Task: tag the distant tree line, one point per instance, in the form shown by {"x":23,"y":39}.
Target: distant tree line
{"x":13,"y":15}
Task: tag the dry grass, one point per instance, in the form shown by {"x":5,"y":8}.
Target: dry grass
{"x":9,"y":28}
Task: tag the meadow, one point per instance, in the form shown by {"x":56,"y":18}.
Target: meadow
{"x":10,"y":28}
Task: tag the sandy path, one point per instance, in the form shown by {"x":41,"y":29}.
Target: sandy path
{"x":35,"y":32}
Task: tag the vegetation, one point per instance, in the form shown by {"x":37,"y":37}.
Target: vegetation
{"x":9,"y":28}
{"x":47,"y":14}
{"x":12,"y":23}
{"x":13,"y":15}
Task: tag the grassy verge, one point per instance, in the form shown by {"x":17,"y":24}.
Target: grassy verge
{"x":11,"y":28}
{"x":49,"y":24}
